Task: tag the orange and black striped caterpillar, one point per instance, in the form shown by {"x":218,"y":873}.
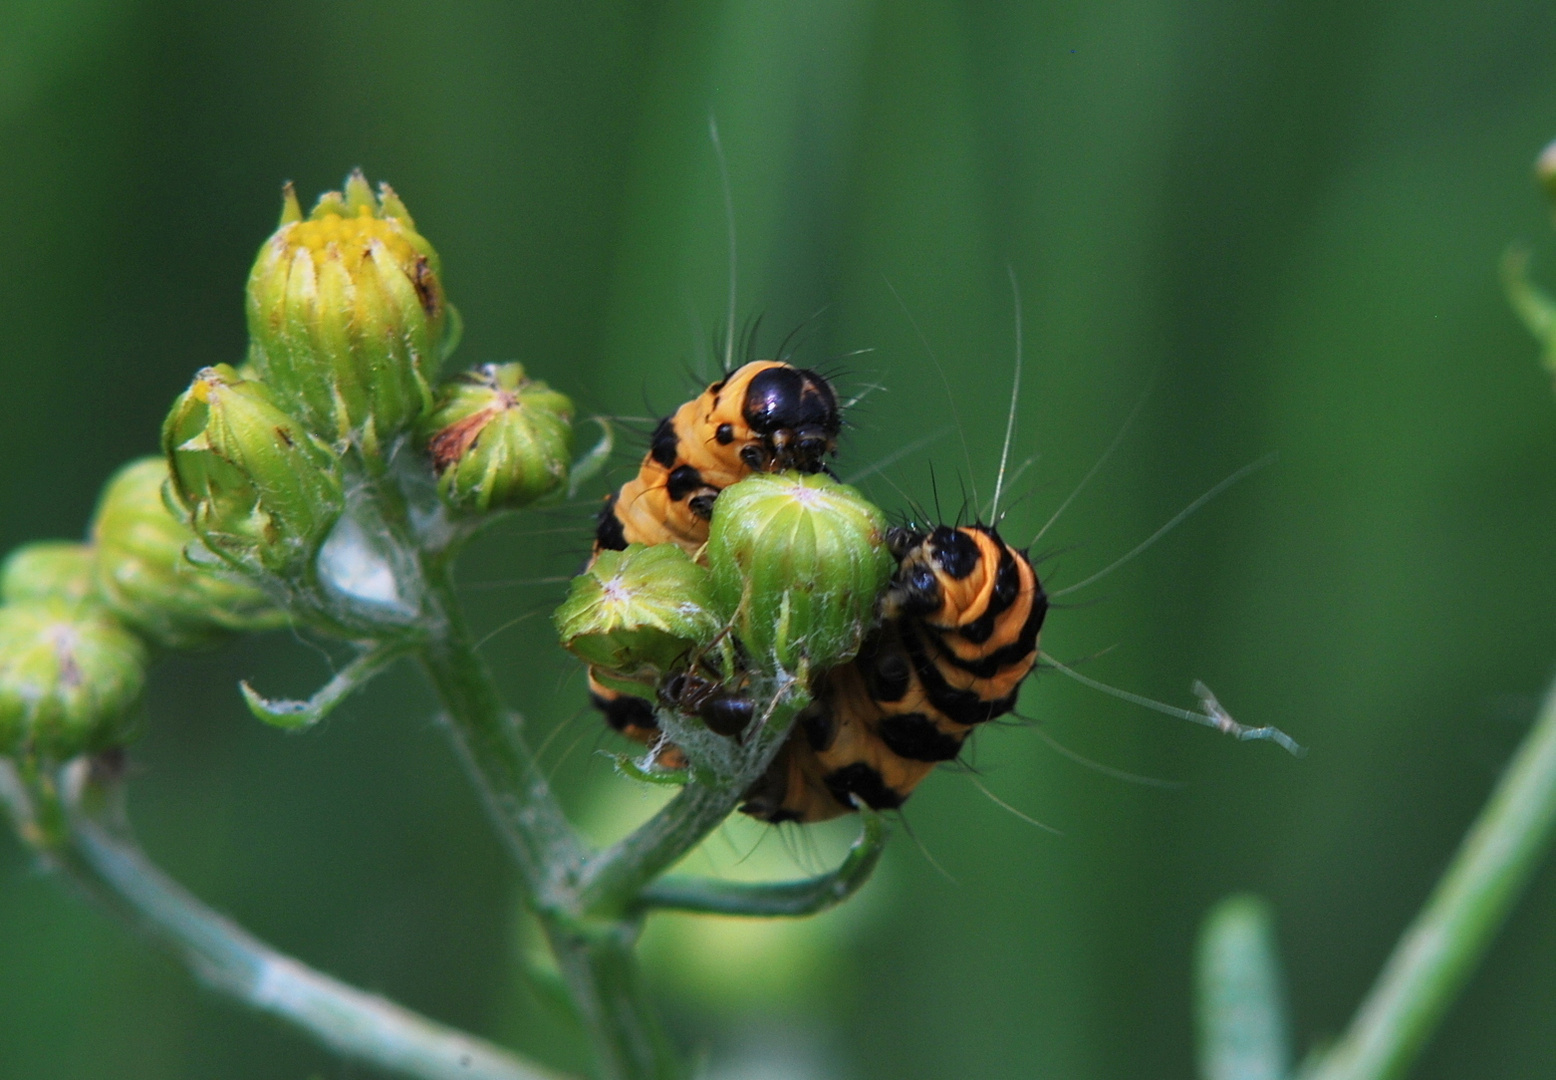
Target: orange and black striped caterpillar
{"x":959,"y":630}
{"x":959,"y":626}
{"x":766,"y":416}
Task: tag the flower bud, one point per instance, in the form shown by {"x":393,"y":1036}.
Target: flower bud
{"x":1545,"y":173}
{"x":70,"y":677}
{"x":634,"y":613}
{"x":497,"y":440}
{"x":346,"y":315}
{"x":800,"y":560}
{"x":49,"y":570}
{"x":144,"y":573}
{"x":260,"y":490}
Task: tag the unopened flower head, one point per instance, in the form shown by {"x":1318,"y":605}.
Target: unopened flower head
{"x":1545,"y":173}
{"x":346,"y":315}
{"x":800,"y":560}
{"x":635,"y":614}
{"x":145,"y":575}
{"x":49,"y":570}
{"x":259,"y":489}
{"x":498,"y":440}
{"x":70,"y":679}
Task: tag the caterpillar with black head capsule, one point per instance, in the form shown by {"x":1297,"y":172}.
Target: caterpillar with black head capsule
{"x":959,"y":631}
{"x":765,"y":416}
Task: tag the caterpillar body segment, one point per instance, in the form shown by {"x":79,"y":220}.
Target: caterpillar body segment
{"x":792,"y":789}
{"x":970,"y":607}
{"x":960,"y":625}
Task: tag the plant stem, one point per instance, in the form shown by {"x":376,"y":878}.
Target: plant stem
{"x":593,"y":955}
{"x":601,"y":972}
{"x":497,"y":758}
{"x":784,"y":899}
{"x":1438,"y":952}
{"x":612,"y":880}
{"x":112,"y":870}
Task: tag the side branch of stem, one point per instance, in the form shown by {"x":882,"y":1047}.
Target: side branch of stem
{"x":613,"y":880}
{"x":785,"y":899}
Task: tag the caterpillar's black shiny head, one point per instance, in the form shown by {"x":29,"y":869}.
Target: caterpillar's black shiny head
{"x":795,"y":414}
{"x":915,"y":588}
{"x":933,"y":567}
{"x":955,"y":550}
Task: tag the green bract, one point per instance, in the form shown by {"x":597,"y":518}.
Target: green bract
{"x":261,"y":491}
{"x":346,"y":315}
{"x":635,"y":613}
{"x":48,"y":570}
{"x":498,"y":440}
{"x":70,"y":677}
{"x":144,"y":573}
{"x":800,"y":560}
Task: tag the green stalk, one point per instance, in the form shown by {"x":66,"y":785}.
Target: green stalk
{"x":594,"y":951}
{"x":495,"y":754}
{"x":613,"y":880}
{"x":112,"y":870}
{"x":597,"y":962}
{"x":1437,"y":954}
{"x":594,"y":956}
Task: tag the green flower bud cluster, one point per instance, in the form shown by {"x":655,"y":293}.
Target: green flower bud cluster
{"x":348,"y":324}
{"x":78,"y":621}
{"x":638,"y":613}
{"x":49,"y":570}
{"x":143,"y":572}
{"x":71,"y":676}
{"x":794,"y":567}
{"x":498,"y":440}
{"x":259,"y":489}
{"x":799,"y":561}
{"x":346,"y":315}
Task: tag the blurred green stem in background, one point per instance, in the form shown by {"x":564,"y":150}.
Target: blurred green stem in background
{"x":1436,"y":955}
{"x":1242,"y":1015}
{"x":1241,"y":1027}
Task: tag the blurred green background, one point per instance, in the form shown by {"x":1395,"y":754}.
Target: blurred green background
{"x":1287,"y":214}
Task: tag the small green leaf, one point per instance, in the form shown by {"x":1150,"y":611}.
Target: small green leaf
{"x":293,"y":715}
{"x":627,"y":766}
{"x":1242,"y":1021}
{"x":288,"y":714}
